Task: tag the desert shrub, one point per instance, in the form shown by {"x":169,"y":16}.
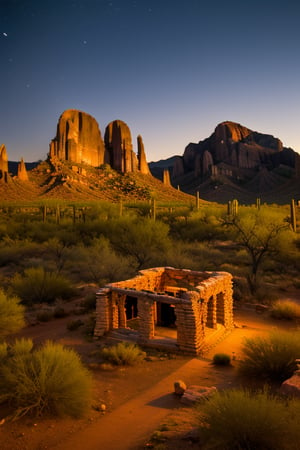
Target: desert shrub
{"x":99,"y":263}
{"x":89,"y":302}
{"x":50,"y":379}
{"x":38,"y":286}
{"x":16,"y":251}
{"x":44,"y":315}
{"x":60,"y":312}
{"x":221,"y":359}
{"x":123,"y":354}
{"x":90,"y":325}
{"x":144,"y":240}
{"x":11,"y":315}
{"x":237,"y":419}
{"x":74,"y":324}
{"x":271,"y":358}
{"x":287,"y":310}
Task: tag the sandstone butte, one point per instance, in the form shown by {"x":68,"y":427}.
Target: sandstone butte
{"x":236,"y":147}
{"x":78,"y":139}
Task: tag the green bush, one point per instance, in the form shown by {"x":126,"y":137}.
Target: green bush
{"x":287,"y":310}
{"x":236,"y":419}
{"x":272,"y":358}
{"x":37,"y":286}
{"x":123,"y":354}
{"x":221,"y":359}
{"x":50,"y":379}
{"x":11,"y":315}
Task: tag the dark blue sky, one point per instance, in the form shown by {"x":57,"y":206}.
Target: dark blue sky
{"x":171,"y":69}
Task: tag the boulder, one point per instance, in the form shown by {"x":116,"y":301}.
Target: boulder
{"x":179,"y":387}
{"x":291,"y":386}
{"x":78,"y":139}
{"x":195,"y":394}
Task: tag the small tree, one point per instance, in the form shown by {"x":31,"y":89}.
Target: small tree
{"x":11,"y":315}
{"x":259,"y":232}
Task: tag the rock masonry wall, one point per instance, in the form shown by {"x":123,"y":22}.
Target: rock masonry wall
{"x":201,"y":300}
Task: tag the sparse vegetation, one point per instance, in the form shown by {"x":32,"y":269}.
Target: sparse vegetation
{"x":123,"y":354}
{"x":50,"y":379}
{"x":11,"y":315}
{"x":236,"y":419}
{"x":221,"y":359}
{"x":286,"y":310}
{"x":272,"y":358}
{"x":37,"y":286}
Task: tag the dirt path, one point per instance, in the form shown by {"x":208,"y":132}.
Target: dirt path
{"x":129,"y":426}
{"x":139,"y":398}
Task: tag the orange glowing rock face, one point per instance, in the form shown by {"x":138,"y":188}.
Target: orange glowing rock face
{"x":78,"y":139}
{"x":22,"y":172}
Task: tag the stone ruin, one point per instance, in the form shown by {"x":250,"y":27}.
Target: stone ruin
{"x":195,"y":303}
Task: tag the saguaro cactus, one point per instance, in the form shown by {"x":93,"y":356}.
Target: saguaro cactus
{"x":235,"y":207}
{"x":232,"y":207}
{"x":293,"y":216}
{"x":197,"y":200}
{"x":153,"y":209}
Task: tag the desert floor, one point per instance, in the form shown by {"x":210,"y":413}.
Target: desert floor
{"x":138,"y":399}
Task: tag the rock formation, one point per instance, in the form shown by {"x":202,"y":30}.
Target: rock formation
{"x":78,"y":139}
{"x":142,"y":162}
{"x":234,"y":145}
{"x":232,"y":150}
{"x":118,"y":144}
{"x":22,"y":172}
{"x":3,"y":163}
{"x":166,"y":177}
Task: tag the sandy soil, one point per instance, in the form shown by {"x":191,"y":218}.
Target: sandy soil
{"x":138,"y":399}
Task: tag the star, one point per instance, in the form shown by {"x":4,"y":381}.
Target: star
{"x":5,"y":34}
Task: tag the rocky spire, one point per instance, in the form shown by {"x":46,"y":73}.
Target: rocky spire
{"x":166,"y":177}
{"x":143,"y":166}
{"x":78,"y":139}
{"x":3,"y":163}
{"x":118,"y":144}
{"x":22,"y":172}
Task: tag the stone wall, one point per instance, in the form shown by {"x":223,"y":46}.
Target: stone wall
{"x":201,"y":300}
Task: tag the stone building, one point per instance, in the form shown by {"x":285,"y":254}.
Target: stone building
{"x":192,"y":302}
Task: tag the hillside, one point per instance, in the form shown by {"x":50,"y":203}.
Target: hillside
{"x":81,"y":182}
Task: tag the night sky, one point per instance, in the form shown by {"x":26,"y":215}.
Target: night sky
{"x":171,"y":69}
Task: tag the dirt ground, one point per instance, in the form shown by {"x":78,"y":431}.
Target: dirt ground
{"x":139,"y":399}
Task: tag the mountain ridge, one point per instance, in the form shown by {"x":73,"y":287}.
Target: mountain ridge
{"x":232,"y":157}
